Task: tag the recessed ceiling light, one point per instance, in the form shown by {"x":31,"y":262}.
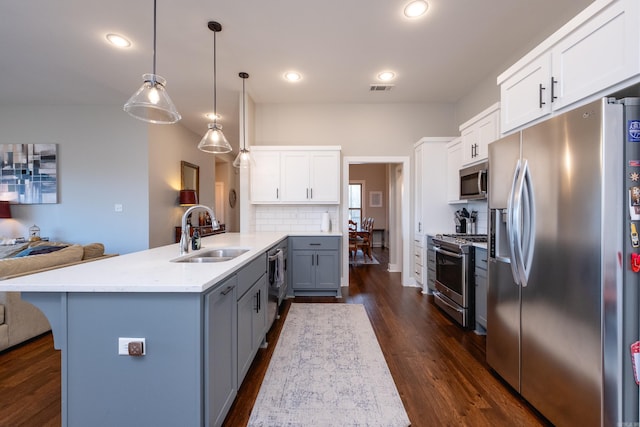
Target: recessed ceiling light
{"x":416,"y":8}
{"x":385,"y":76}
{"x":212,"y":116}
{"x":292,"y":76}
{"x":118,"y":40}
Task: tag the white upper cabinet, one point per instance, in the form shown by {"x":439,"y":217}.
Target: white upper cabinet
{"x":477,"y":133}
{"x":265,"y":176}
{"x":601,"y":53}
{"x":523,"y":96}
{"x":311,"y":176}
{"x":295,"y":175}
{"x":594,"y":52}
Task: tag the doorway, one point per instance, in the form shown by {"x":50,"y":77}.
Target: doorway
{"x":398,"y":221}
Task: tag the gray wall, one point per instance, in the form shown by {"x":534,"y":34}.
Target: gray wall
{"x":106,"y":157}
{"x":102,"y":160}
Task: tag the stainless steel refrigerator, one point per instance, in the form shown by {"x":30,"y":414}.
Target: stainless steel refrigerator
{"x":562,"y":297}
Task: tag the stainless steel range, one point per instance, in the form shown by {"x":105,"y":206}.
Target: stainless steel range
{"x":455,"y":278}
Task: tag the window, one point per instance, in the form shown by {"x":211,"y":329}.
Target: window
{"x":355,"y":202}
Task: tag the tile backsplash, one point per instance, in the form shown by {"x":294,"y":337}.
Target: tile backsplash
{"x":481,"y":207}
{"x":294,"y":217}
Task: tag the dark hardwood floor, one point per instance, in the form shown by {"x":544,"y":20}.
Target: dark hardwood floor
{"x":439,"y":369}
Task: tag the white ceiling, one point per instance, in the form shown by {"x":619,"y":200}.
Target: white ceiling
{"x":54,"y":52}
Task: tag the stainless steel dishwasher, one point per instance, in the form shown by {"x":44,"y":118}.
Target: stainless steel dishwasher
{"x":277,"y":278}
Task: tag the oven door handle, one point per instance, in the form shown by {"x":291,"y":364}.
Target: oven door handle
{"x":451,"y":254}
{"x":444,"y":301}
{"x":274,"y":255}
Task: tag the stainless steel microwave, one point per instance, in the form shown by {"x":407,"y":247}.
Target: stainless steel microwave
{"x":473,"y":182}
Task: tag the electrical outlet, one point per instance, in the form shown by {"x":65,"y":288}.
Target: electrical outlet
{"x":118,"y":207}
{"x":132,"y":346}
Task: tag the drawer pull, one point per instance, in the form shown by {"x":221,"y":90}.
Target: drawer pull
{"x":226,"y":291}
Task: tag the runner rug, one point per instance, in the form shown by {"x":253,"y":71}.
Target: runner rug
{"x":328,"y":370}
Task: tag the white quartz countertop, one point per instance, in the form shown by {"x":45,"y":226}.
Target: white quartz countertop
{"x":152,"y":270}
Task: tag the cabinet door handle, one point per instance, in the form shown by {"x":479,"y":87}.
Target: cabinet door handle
{"x":277,"y":193}
{"x":315,"y":244}
{"x":311,"y":191}
{"x":318,"y":259}
{"x":307,"y":193}
{"x":226,"y":291}
{"x":258,"y":301}
{"x":540,"y":95}
{"x":553,"y":83}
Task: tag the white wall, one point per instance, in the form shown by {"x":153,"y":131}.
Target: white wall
{"x":98,"y":166}
{"x":228,"y":176}
{"x":485,"y":94}
{"x":361,"y":129}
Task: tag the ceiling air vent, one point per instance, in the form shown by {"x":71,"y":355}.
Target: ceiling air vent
{"x":376,"y":87}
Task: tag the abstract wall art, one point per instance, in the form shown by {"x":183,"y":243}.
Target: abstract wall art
{"x":29,"y":173}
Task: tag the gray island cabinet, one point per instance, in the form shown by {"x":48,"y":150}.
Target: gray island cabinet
{"x":252,"y":314}
{"x":198,"y":332}
{"x":315,"y":265}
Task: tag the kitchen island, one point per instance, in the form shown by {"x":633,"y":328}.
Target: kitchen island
{"x":187,"y":315}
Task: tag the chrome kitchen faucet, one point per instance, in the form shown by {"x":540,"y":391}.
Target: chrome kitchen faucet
{"x":185,"y":235}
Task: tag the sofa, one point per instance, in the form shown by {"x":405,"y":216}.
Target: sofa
{"x":20,"y":320}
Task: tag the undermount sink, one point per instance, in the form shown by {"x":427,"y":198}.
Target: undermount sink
{"x":213,"y":255}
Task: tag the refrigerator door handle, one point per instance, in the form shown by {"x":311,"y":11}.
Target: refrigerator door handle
{"x":511,"y":223}
{"x":529,"y":227}
{"x":521,"y":222}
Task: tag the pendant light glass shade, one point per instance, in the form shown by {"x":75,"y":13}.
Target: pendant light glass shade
{"x":214,"y":141}
{"x":243,"y":160}
{"x":151,"y":103}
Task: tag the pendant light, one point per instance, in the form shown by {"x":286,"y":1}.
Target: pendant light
{"x":151,"y":103}
{"x":214,"y":141}
{"x":244,"y":157}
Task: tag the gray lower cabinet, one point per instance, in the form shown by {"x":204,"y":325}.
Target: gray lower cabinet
{"x":252,"y":313}
{"x":220,"y":359}
{"x":315,"y":265}
{"x":481,"y":288}
{"x":198,"y":347}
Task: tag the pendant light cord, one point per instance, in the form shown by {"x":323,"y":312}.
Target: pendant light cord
{"x":215,"y":74}
{"x":244,"y":122}
{"x":154,"y":37}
